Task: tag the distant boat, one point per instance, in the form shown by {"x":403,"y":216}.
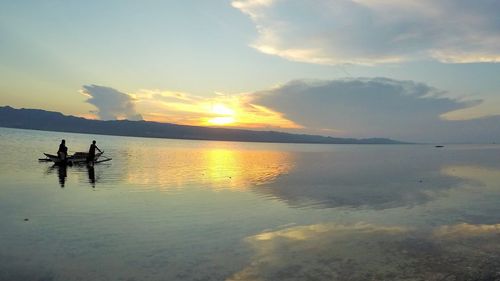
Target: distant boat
{"x":77,"y":158}
{"x":439,"y":146}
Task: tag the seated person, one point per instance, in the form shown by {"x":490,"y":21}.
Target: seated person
{"x":62,"y":153}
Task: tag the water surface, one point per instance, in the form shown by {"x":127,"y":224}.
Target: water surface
{"x":203,"y":210}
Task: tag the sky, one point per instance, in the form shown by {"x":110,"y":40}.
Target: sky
{"x":412,"y":70}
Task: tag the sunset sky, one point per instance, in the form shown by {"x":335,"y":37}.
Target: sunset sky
{"x":415,"y":70}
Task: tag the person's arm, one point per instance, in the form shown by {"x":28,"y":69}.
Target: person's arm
{"x":98,"y":148}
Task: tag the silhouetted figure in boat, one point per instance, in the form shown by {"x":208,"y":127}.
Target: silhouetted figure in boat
{"x":62,"y":153}
{"x":91,"y":156}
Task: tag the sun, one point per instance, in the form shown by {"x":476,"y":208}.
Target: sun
{"x":226,"y":112}
{"x":221,"y":109}
{"x":221,"y":120}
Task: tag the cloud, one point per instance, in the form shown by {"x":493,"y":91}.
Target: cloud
{"x":377,"y":107}
{"x":354,"y":107}
{"x":188,"y":109}
{"x":111,"y":104}
{"x":376,"y":31}
{"x":183,"y":108}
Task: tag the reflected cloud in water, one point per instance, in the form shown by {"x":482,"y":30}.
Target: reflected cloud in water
{"x":450,"y":233}
{"x":375,"y":177}
{"x":465,"y":230}
{"x":485,"y":177}
{"x":378,"y":178}
{"x":373,"y":252}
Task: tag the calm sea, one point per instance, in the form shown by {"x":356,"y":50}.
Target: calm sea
{"x":202,"y":210}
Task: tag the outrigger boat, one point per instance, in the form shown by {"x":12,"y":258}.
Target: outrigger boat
{"x":77,"y":158}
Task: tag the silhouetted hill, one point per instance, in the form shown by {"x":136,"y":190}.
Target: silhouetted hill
{"x":37,"y":119}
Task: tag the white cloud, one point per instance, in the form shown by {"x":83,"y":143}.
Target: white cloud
{"x":376,"y":31}
{"x":111,"y":104}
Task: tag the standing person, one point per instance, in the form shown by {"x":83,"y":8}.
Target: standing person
{"x":91,"y":156}
{"x":62,"y":153}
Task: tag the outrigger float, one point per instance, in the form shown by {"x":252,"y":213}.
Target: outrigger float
{"x":76,"y":158}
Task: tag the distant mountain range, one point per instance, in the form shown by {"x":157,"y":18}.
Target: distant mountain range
{"x":37,"y":119}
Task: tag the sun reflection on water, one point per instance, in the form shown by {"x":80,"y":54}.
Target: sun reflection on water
{"x":217,"y":168}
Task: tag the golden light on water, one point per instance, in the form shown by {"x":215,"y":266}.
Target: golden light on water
{"x":241,"y":169}
{"x":216,"y":167}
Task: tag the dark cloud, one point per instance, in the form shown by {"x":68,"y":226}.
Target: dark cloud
{"x":378,"y":107}
{"x":111,"y":104}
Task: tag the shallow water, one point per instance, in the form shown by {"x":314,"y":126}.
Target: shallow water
{"x":202,"y":210}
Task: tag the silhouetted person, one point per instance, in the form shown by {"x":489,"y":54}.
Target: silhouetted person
{"x":62,"y":153}
{"x":91,"y":156}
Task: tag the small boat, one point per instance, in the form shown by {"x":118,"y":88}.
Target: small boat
{"x":77,"y":158}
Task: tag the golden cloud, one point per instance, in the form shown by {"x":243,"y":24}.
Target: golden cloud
{"x":227,"y":110}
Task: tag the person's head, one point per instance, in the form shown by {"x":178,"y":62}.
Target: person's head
{"x":63,"y":141}
{"x":93,"y":142}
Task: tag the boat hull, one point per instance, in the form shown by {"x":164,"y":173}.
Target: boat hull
{"x":77,"y":158}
